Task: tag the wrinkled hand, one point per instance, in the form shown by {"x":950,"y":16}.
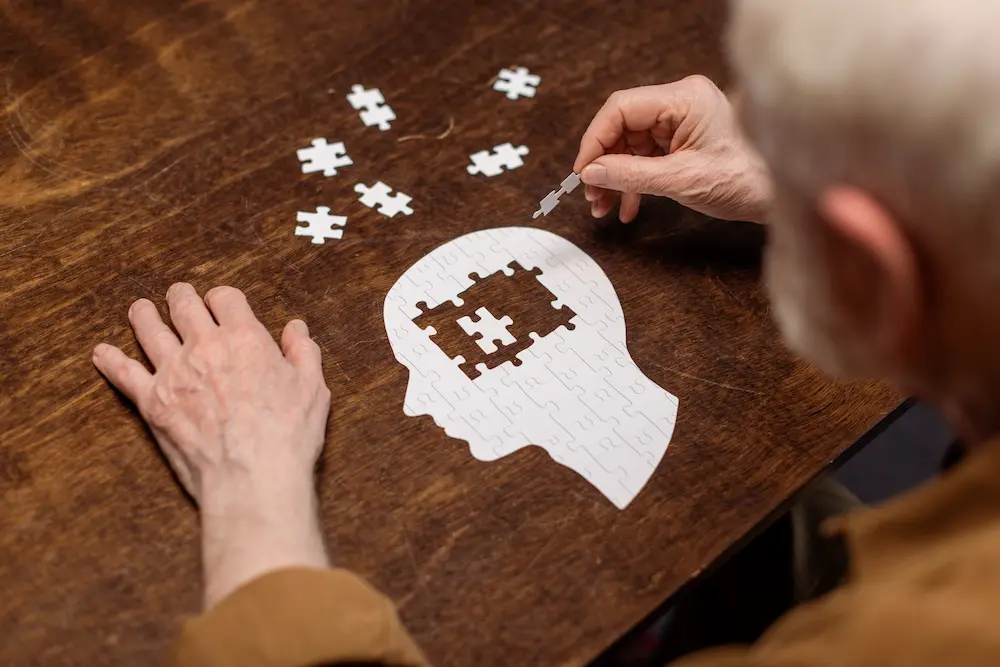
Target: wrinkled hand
{"x":679,"y":140}
{"x":241,"y":422}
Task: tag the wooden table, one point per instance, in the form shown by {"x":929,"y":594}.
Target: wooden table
{"x":153,"y":142}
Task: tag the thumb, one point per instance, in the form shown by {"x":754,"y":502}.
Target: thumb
{"x":634,"y":173}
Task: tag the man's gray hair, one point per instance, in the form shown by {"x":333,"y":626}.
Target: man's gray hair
{"x":898,"y":97}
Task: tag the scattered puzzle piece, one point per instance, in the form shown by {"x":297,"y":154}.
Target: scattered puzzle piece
{"x":320,"y":224}
{"x":489,"y":328}
{"x":362,"y":98}
{"x":376,"y":111}
{"x":492,"y":164}
{"x":378,"y":195}
{"x":324,"y":157}
{"x":517,"y":83}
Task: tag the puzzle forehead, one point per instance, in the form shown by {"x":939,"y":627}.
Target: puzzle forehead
{"x":561,"y":380}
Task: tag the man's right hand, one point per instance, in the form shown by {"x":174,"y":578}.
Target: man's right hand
{"x":241,"y":422}
{"x":679,"y":140}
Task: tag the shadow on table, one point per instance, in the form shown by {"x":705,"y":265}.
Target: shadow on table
{"x":737,"y":602}
{"x":667,"y":233}
{"x":745,"y":594}
{"x":735,"y":605}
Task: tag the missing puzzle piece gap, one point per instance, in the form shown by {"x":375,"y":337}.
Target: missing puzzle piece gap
{"x":425,"y":308}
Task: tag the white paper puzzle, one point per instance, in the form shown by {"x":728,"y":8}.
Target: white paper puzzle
{"x":565,"y":383}
{"x":324,"y":157}
{"x":551,"y":200}
{"x":320,"y":225}
{"x":504,"y":156}
{"x":517,"y":83}
{"x":487,"y":330}
{"x":372,"y":102}
{"x":378,"y":195}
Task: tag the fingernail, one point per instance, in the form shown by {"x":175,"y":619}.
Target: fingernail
{"x":100,"y":349}
{"x":176,"y":287}
{"x":300,"y":327}
{"x":594,"y":174}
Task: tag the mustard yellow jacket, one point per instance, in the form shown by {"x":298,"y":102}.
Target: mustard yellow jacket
{"x":924,"y":591}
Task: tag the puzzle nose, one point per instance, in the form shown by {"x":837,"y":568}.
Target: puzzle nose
{"x":416,"y":396}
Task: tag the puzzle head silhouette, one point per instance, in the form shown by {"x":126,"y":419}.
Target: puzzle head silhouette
{"x":558,"y":377}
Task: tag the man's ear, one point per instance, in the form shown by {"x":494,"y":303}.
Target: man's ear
{"x":876,"y":271}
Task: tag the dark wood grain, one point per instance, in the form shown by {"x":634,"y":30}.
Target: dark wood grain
{"x":150,"y":142}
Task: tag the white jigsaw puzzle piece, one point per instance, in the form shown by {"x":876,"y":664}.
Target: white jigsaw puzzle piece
{"x":504,"y":156}
{"x":489,"y":328}
{"x":324,"y":157}
{"x":375,"y":110}
{"x":484,"y":163}
{"x":379,"y":116}
{"x":378,"y":195}
{"x":362,"y":98}
{"x":320,"y":225}
{"x":517,"y":83}
{"x":577,"y":393}
{"x":551,"y":200}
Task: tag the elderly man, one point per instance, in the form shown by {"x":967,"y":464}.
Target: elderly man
{"x":876,"y":125}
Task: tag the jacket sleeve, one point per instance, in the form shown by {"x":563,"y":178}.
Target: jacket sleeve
{"x":299,"y":618}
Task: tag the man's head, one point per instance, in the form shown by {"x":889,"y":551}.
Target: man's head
{"x":880,"y":122}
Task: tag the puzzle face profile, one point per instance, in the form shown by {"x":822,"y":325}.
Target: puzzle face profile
{"x":515,"y":337}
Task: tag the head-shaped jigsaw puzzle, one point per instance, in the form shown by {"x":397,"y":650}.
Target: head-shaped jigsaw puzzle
{"x":504,"y":375}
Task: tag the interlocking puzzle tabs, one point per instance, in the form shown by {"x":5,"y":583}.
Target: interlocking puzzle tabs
{"x":471,"y":334}
{"x":526,"y":296}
